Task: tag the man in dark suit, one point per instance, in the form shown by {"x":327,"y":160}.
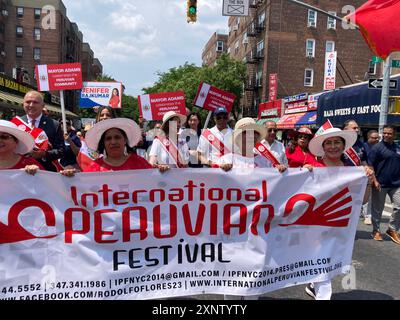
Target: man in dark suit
{"x":33,"y":106}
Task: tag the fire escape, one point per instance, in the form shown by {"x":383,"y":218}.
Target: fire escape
{"x":254,"y":60}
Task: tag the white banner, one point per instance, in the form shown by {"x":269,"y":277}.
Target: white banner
{"x":145,"y":235}
{"x":330,"y":70}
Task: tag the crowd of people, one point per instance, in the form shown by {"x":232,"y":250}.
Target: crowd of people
{"x":114,"y":144}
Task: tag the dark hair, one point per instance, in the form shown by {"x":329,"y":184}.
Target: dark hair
{"x":199,"y":126}
{"x":342,"y":139}
{"x":117,"y":91}
{"x":101,"y":146}
{"x":110,"y":110}
{"x":371,"y":132}
{"x":347,"y":122}
{"x":388,"y":126}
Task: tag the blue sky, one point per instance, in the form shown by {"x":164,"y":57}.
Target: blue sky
{"x":135,"y":39}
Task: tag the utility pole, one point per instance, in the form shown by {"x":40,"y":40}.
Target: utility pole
{"x":385,"y":94}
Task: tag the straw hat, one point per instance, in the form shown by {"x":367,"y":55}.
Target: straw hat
{"x":315,"y":144}
{"x":247,"y":124}
{"x":303,"y":130}
{"x":25,"y":140}
{"x":172,"y":114}
{"x":130,"y":127}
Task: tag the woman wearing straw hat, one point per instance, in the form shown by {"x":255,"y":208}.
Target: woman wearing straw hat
{"x":165,"y":153}
{"x":300,"y":155}
{"x":113,"y":138}
{"x":330,"y":146}
{"x":246,"y":136}
{"x":14,"y":143}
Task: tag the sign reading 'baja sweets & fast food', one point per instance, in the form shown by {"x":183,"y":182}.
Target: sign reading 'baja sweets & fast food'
{"x":59,"y":77}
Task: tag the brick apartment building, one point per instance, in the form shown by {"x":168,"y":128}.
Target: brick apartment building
{"x":215,"y":46}
{"x":91,"y":66}
{"x":284,"y":38}
{"x":39,"y":32}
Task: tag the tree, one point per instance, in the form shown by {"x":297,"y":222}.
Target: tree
{"x":227,"y":74}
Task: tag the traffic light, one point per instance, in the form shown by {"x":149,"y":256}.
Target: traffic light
{"x":191,"y":11}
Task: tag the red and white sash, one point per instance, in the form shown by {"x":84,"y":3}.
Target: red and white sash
{"x":216,"y":143}
{"x":353,"y":157}
{"x":172,"y":151}
{"x":263,"y":150}
{"x":41,"y":139}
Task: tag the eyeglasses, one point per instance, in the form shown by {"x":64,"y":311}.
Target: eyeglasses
{"x":5,"y":136}
{"x":272,"y":129}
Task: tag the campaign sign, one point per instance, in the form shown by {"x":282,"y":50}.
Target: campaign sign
{"x":154,"y":106}
{"x":211,"y":98}
{"x":57,"y":77}
{"x":101,"y":94}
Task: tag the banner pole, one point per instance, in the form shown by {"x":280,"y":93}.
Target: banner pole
{"x":207,"y":120}
{"x":64,"y":117}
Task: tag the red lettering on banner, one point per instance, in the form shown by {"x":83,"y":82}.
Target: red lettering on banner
{"x":68,"y":223}
{"x":126,"y":222}
{"x":242,"y":225}
{"x":199,"y":220}
{"x":173,"y":225}
{"x":98,"y":227}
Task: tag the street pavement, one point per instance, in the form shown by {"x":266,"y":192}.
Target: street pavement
{"x":376,"y":266}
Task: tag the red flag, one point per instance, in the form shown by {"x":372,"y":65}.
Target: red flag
{"x":379,"y":24}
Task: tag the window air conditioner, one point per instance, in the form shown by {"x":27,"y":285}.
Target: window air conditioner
{"x":4,"y":12}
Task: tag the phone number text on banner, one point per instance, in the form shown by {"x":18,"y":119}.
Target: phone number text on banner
{"x":146,"y":235}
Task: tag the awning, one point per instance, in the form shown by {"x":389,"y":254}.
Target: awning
{"x":16,"y":102}
{"x":262,"y":121}
{"x":289,"y":121}
{"x":309,"y":119}
{"x":356,"y":102}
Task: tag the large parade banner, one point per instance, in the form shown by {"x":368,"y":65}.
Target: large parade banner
{"x":145,"y":235}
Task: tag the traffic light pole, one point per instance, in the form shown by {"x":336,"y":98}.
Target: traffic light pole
{"x":385,"y":94}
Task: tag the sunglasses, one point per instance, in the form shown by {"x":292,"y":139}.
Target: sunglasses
{"x":271,"y":129}
{"x":5,"y":136}
{"x":302,"y":136}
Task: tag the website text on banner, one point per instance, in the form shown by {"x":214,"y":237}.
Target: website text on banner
{"x":211,"y":98}
{"x":59,"y":77}
{"x":154,"y":106}
{"x":180,"y":233}
{"x":95,"y":94}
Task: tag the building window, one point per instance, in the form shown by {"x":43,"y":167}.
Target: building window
{"x":220,"y":46}
{"x":236,"y":47}
{"x":310,"y":48}
{"x":20,"y":52}
{"x":372,"y":67}
{"x":38,"y":13}
{"x":312,"y":18}
{"x":20,"y":31}
{"x":330,"y":46}
{"x":2,"y":27}
{"x":36,"y":53}
{"x":20,"y":12}
{"x":260,"y":49}
{"x":245,"y":38}
{"x":259,"y":75}
{"x":331,"y":21}
{"x":36,"y":34}
{"x":308,"y":77}
{"x":261,"y":19}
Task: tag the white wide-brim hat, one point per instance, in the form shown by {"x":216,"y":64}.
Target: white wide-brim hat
{"x":26,"y":142}
{"x":248,"y":124}
{"x":130,"y":127}
{"x":172,"y":114}
{"x":315,"y":144}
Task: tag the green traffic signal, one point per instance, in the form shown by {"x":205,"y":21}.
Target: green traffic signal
{"x":192,"y":10}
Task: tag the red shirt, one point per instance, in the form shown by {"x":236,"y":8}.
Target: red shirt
{"x":134,"y":162}
{"x":23,"y":162}
{"x":114,"y":102}
{"x":298,"y":158}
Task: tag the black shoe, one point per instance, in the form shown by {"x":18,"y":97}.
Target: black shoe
{"x":311,"y":291}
